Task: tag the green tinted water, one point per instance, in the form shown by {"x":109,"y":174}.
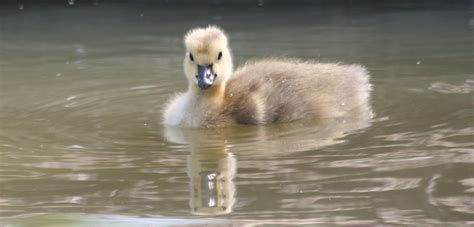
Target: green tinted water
{"x":81,"y":142}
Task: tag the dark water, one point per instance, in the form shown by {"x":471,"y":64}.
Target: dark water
{"x":81,"y":142}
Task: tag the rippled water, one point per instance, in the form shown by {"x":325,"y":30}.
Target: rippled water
{"x":81,"y":142}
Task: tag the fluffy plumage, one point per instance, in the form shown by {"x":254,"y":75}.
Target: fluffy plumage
{"x":262,"y":91}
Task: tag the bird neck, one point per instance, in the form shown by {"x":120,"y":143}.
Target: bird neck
{"x":213,"y":96}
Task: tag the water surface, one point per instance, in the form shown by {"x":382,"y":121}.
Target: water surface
{"x":81,"y":143}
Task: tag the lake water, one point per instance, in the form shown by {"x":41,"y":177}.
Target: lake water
{"x":81,"y":143}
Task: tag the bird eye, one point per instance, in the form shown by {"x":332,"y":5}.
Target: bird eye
{"x":191,"y":57}
{"x":219,"y":56}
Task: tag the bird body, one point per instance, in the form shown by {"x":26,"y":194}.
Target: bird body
{"x":261,"y":91}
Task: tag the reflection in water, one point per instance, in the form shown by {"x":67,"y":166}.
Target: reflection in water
{"x":212,"y":182}
{"x":279,"y":138}
{"x":212,"y":166}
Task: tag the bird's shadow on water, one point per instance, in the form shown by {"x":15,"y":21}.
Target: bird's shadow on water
{"x":212,"y":162}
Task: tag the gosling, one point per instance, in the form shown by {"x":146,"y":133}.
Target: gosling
{"x":261,"y":91}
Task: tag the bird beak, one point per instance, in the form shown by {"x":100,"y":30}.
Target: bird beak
{"x":205,"y":76}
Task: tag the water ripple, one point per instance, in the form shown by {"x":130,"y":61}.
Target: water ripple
{"x":447,"y":88}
